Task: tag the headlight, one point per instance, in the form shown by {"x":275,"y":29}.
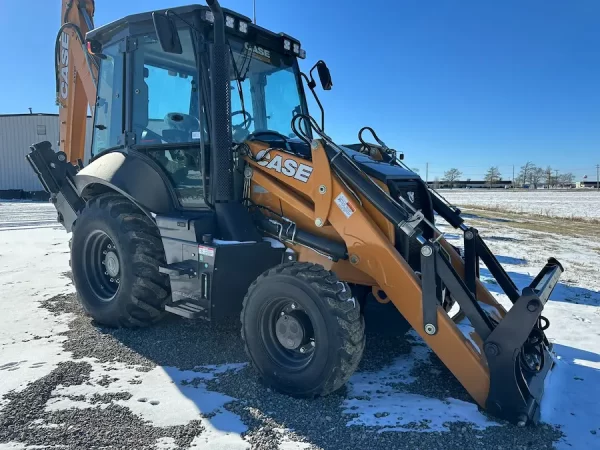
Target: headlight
{"x":287,"y":44}
{"x":243,"y":27}
{"x":209,"y":16}
{"x":229,"y":21}
{"x":296,"y":48}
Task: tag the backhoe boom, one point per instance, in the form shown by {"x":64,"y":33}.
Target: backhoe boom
{"x":76,"y":76}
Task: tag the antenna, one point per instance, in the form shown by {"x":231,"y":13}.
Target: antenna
{"x":254,"y":11}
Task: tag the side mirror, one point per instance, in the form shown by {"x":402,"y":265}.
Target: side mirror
{"x":324,"y":76}
{"x":167,"y":33}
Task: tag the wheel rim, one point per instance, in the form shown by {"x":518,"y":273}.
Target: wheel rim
{"x":287,"y":334}
{"x":101,"y":266}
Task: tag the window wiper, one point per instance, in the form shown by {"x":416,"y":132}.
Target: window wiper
{"x":238,"y":78}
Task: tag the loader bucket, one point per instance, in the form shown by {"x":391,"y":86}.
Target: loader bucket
{"x":517,"y":353}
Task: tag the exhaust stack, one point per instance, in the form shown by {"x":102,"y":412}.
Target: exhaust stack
{"x":221,"y":157}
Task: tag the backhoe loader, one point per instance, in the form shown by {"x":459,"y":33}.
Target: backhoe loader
{"x":209,"y":192}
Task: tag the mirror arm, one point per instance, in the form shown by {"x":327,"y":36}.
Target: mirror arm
{"x":311,"y":85}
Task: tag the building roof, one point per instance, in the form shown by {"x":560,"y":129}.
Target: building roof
{"x":33,"y":115}
{"x":29,"y":114}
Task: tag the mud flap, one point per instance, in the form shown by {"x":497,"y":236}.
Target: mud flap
{"x":56,"y":175}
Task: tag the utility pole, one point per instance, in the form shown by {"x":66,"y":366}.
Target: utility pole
{"x":513,"y":181}
{"x":426,"y":172}
{"x":556,"y":177}
{"x":598,"y":177}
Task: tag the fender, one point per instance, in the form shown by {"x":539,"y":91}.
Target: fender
{"x":131,"y":174}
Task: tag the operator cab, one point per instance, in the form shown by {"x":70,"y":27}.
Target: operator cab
{"x":157,"y":102}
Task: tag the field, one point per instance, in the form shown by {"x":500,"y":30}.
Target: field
{"x":66,"y":382}
{"x":570,"y":204}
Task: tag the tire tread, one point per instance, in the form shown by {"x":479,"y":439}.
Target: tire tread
{"x":336,"y":296}
{"x":150,"y":289}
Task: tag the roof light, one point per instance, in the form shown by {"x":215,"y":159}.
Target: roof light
{"x":229,"y":22}
{"x":287,"y":44}
{"x":243,"y":27}
{"x":296,"y":48}
{"x":302,"y":53}
{"x":209,"y":16}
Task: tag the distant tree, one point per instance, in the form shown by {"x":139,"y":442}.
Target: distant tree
{"x":536,"y":175}
{"x":415,"y":170}
{"x":525,"y":174}
{"x":452,"y":175}
{"x":548,"y":177}
{"x":566,"y":179}
{"x":492,"y":176}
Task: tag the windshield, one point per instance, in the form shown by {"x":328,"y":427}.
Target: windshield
{"x":267,"y":84}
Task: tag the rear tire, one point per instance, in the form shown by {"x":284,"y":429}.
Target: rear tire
{"x":323,"y":307}
{"x":115,"y":255}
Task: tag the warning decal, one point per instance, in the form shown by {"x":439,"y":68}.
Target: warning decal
{"x":344,"y":204}
{"x":206,"y":251}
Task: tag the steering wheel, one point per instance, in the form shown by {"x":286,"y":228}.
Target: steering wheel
{"x":248,"y":119}
{"x":258,"y":133}
{"x":256,"y":136}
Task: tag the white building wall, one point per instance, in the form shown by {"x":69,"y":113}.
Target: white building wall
{"x":17,"y":134}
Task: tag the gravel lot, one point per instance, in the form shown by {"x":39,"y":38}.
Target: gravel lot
{"x":66,"y":382}
{"x":269,"y":416}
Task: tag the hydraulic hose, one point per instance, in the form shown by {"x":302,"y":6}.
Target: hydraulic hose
{"x":290,"y":232}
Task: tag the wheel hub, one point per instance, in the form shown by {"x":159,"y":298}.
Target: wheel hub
{"x":111,"y":263}
{"x":289,"y":331}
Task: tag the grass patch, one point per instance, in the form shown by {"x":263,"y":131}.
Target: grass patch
{"x":545,"y":213}
{"x":534,"y":222}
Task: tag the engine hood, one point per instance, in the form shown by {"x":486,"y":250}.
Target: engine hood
{"x":378,"y":169}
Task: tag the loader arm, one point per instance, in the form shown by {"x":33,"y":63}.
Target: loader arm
{"x":500,"y":358}
{"x":76,"y":76}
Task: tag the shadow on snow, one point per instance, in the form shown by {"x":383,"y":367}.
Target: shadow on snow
{"x":562,"y":292}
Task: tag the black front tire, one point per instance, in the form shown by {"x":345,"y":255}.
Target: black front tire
{"x":135,"y":297}
{"x":335,"y":322}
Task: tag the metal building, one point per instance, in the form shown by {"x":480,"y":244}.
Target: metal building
{"x":17,"y":133}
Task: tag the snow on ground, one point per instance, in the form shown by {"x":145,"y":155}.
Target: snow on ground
{"x":25,"y":215}
{"x":32,"y":267}
{"x":30,"y":345}
{"x":567,"y":203}
{"x":375,"y":399}
{"x":385,"y":398}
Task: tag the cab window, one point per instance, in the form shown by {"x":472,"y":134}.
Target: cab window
{"x":108,"y":113}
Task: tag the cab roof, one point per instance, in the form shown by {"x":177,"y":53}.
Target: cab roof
{"x":107,"y":32}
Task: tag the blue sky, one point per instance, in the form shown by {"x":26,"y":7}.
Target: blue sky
{"x":456,"y":83}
